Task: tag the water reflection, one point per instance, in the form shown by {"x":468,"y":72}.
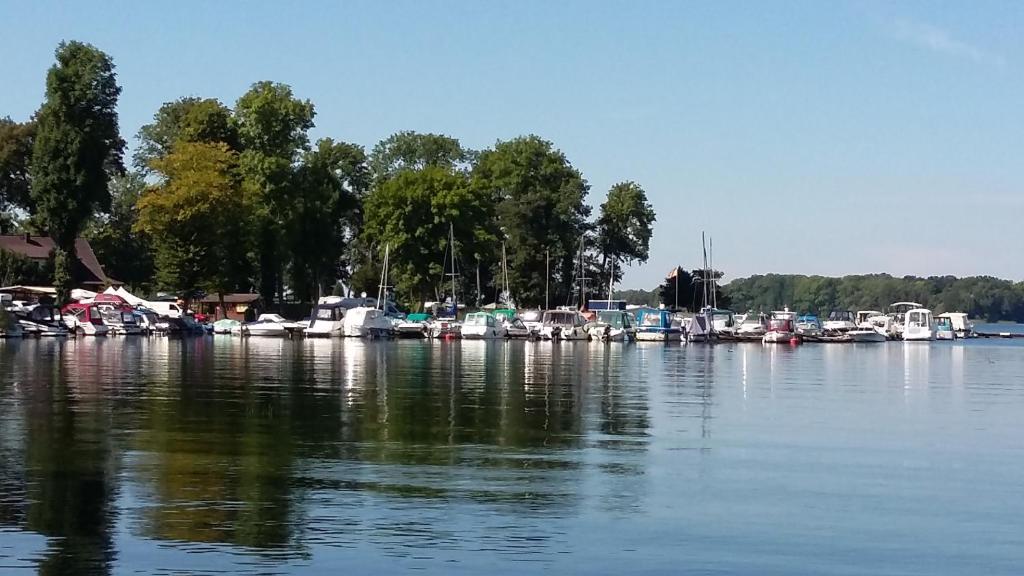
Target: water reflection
{"x":290,"y":450}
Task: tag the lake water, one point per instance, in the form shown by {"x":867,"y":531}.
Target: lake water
{"x":220,"y":455}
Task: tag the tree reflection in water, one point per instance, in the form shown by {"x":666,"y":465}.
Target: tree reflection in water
{"x":279,"y":445}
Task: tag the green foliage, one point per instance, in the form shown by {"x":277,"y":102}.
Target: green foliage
{"x":414,"y":151}
{"x":625,"y":226}
{"x":188,"y":119}
{"x":16,"y":269}
{"x":691,"y":290}
{"x":412,"y":213}
{"x":195,"y":217}
{"x":272,"y":127}
{"x":641,"y":297}
{"x":323,"y":215}
{"x":124,"y":251}
{"x":76,"y":148}
{"x":540,"y":210}
{"x":15,"y":180}
{"x":979,"y":296}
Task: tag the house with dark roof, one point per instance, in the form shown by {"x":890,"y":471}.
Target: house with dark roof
{"x":38,"y":248}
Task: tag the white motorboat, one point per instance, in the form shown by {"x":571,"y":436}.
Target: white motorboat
{"x":781,"y":327}
{"x":121,"y":322}
{"x":839,"y":322}
{"x":877,"y":321}
{"x":613,"y":326}
{"x":533,"y":320}
{"x":753,"y":326}
{"x":865,"y":335}
{"x":944,"y":328}
{"x":898,"y":315}
{"x":267,"y":325}
{"x":918,"y":325}
{"x":563,"y":325}
{"x":962,"y":328}
{"x":482,"y":326}
{"x":366,"y":322}
{"x":328,"y":318}
{"x":416,"y":325}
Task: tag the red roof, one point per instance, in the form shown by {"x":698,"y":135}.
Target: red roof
{"x":39,"y":248}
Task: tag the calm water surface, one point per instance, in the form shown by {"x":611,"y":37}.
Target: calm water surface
{"x":157,"y":456}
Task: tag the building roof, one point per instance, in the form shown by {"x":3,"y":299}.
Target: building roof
{"x":242,"y":298}
{"x":39,"y":248}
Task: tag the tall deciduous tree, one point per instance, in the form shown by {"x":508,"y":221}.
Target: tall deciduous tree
{"x":77,"y":147}
{"x":15,"y":158}
{"x":540,"y":210}
{"x":188,"y":119}
{"x":624,"y":227}
{"x":124,"y":251}
{"x":414,"y":151}
{"x":324,"y":217}
{"x":194,"y":217}
{"x":272,"y":127}
{"x":413,"y":213}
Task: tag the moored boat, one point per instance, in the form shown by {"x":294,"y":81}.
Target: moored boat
{"x":613,"y":326}
{"x":657,"y":326}
{"x":918,"y":325}
{"x":781,"y":328}
{"x":482,"y":326}
{"x":328,"y":317}
{"x":563,"y":325}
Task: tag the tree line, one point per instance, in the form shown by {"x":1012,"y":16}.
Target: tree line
{"x":237,"y":199}
{"x":982,"y":297}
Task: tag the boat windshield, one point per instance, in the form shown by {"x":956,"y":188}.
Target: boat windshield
{"x":651,"y":320}
{"x":559,"y":318}
{"x":327,"y":313}
{"x":944,"y":323}
{"x":530,"y":315}
{"x":779,"y":325}
{"x":611,"y":318}
{"x":477,"y":320}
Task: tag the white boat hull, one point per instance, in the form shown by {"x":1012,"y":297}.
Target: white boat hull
{"x":659,"y":336}
{"x":778,"y":337}
{"x":918,"y":335}
{"x":474,"y":333}
{"x":866,"y":336}
{"x":325,"y":329}
{"x":554,"y":333}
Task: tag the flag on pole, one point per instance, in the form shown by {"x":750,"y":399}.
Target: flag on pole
{"x":673,"y":273}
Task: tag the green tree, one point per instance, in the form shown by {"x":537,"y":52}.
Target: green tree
{"x":77,"y":147}
{"x":15,"y":179}
{"x":272,"y":127}
{"x":540,"y":211}
{"x":124,"y":251}
{"x":414,"y":151}
{"x":625,"y":227}
{"x":412,"y":213}
{"x":324,"y":216}
{"x":195,"y":216}
{"x":189,"y":119}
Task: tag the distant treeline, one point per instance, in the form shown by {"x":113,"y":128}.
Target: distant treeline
{"x":982,"y":297}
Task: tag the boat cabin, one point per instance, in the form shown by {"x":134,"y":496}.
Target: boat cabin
{"x":563,"y":318}
{"x":84,"y":313}
{"x":656,"y":320}
{"x":480,"y":319}
{"x":617,"y":319}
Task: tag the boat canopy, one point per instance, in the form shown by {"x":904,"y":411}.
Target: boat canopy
{"x":418,"y":317}
{"x":479,"y":319}
{"x":614,"y":318}
{"x":561,"y":318}
{"x":658,"y":319}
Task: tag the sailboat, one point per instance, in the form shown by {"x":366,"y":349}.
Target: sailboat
{"x":613,"y":322}
{"x":371,"y":322}
{"x":446,"y":325}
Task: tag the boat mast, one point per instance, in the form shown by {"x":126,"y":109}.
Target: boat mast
{"x":451,"y":243}
{"x":704,"y":273}
{"x":504,"y":273}
{"x":714,"y":281}
{"x":547,"y":276}
{"x":611,"y":282}
{"x":381,"y":290}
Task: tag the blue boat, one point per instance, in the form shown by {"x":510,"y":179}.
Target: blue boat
{"x":657,"y":326}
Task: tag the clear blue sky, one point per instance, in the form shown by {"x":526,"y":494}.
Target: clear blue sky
{"x":811,"y":137}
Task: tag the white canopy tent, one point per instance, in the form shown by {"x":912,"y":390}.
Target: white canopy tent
{"x":130,"y":298}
